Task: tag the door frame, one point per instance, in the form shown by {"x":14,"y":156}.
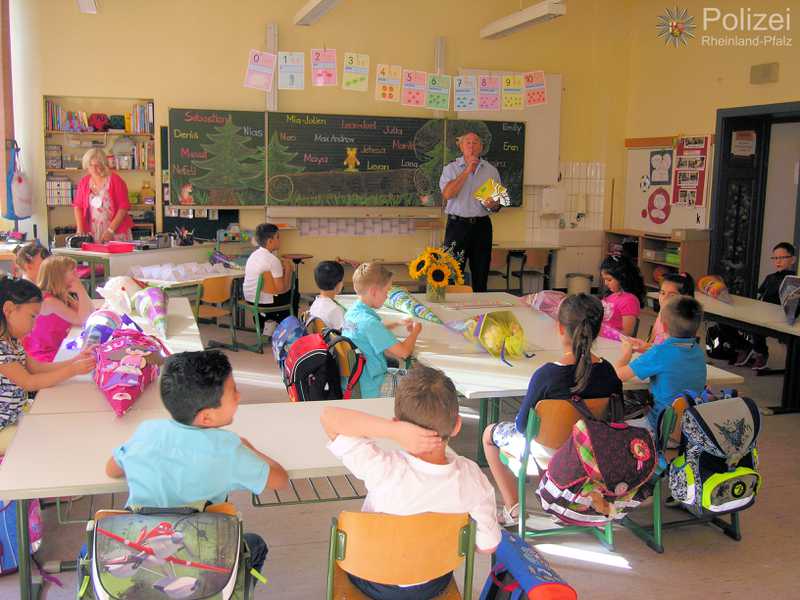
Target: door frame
{"x":782,"y":112}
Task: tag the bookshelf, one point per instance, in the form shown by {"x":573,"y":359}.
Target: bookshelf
{"x":685,"y":250}
{"x":131,"y":151}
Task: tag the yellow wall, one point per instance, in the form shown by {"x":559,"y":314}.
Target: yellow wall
{"x":192,"y":53}
{"x":619,"y":79}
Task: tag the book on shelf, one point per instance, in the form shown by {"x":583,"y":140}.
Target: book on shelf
{"x":139,"y":120}
{"x":52,"y":156}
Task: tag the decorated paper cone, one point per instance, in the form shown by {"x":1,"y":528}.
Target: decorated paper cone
{"x":118,"y":293}
{"x":400,"y":300}
{"x":714,"y":286}
{"x":151,"y":303}
{"x":498,"y":332}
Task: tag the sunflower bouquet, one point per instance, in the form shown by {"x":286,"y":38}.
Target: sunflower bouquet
{"x":437,"y":266}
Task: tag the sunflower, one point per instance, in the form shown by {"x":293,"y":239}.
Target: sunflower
{"x":418,"y":267}
{"x":439,"y":275}
{"x":455,"y":267}
{"x":435,"y":254}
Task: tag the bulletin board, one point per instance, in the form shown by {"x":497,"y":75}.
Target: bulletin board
{"x":667,"y":184}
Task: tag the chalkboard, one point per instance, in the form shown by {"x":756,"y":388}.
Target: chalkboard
{"x":217,"y":157}
{"x":338,"y":160}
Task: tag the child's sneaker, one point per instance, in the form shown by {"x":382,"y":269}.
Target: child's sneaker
{"x":744,"y":358}
{"x":759,"y":362}
{"x":506,"y":517}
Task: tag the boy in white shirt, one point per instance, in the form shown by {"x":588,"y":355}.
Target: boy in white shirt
{"x":329,"y":276}
{"x":275,"y":272}
{"x":428,"y":477}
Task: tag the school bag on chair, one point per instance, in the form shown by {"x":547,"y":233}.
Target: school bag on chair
{"x":165,"y":554}
{"x":716,"y":470}
{"x":19,"y":203}
{"x":596,"y":476}
{"x":312,"y":370}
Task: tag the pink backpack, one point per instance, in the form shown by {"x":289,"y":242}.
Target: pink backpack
{"x":126,"y":364}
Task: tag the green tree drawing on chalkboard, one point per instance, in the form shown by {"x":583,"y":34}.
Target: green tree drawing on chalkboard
{"x":228,"y":167}
{"x":255,"y":181}
{"x":279,"y":158}
{"x":435,"y":160}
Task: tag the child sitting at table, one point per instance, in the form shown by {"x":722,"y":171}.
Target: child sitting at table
{"x":577,"y":372}
{"x":329,"y":277}
{"x":756,"y":354}
{"x":65,"y":304}
{"x":624,"y":293}
{"x":29,"y":258}
{"x":425,"y":477}
{"x":673,"y":366}
{"x":20,"y":302}
{"x":672,"y":285}
{"x":275,"y":274}
{"x":190,"y":460}
{"x":365,"y":328}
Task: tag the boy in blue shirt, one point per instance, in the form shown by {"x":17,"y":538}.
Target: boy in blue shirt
{"x":673,"y":366}
{"x":364,"y":327}
{"x":189,"y":460}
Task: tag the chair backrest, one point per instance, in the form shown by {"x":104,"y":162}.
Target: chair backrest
{"x":347,"y":362}
{"x":636,"y":327}
{"x":499,"y":259}
{"x":556,"y":418}
{"x":216,"y":290}
{"x":401,"y":550}
{"x":459,"y":289}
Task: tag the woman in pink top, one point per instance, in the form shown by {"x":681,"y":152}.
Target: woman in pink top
{"x":101,"y":203}
{"x":624,"y":293}
{"x":65,"y":304}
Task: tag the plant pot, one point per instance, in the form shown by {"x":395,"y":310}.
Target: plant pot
{"x":434,"y":294}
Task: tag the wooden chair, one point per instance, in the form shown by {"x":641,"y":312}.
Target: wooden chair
{"x":399,"y":550}
{"x":211,"y":295}
{"x":254,"y":310}
{"x":459,"y":289}
{"x":550,"y":424}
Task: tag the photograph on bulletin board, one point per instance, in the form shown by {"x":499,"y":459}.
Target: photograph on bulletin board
{"x":503,"y":145}
{"x":217,"y":157}
{"x":347,"y":160}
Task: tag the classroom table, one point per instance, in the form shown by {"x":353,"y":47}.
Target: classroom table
{"x":81,"y":394}
{"x":193,"y":288}
{"x":121,"y":263}
{"x":761,"y":318}
{"x":478,"y":375}
{"x":51,"y":456}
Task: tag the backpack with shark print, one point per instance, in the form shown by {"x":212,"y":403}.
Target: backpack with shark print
{"x":716,"y":471}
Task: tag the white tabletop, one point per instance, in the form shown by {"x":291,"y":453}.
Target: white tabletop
{"x":746,"y":310}
{"x":81,"y":394}
{"x":514,"y":245}
{"x":475,"y":373}
{"x":163,"y":283}
{"x":121,"y":263}
{"x":52,"y":455}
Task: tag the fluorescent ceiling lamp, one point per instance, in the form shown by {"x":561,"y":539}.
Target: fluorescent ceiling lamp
{"x":538,"y":13}
{"x":313,"y":10}
{"x":87,"y":7}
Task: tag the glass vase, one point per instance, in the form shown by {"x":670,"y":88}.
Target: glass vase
{"x":434,"y":294}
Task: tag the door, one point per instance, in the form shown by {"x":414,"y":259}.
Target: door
{"x":738,"y":205}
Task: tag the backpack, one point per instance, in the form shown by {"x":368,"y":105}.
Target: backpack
{"x":521,"y":572}
{"x":165,"y":554}
{"x":9,"y":548}
{"x":722,"y":342}
{"x":596,"y":476}
{"x":19,"y":193}
{"x":312,"y":368}
{"x":716,"y":470}
{"x":286,"y":333}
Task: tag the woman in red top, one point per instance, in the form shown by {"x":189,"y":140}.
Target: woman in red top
{"x":101,"y":204}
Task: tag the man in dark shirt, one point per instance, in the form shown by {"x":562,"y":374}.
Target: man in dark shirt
{"x":783,"y":257}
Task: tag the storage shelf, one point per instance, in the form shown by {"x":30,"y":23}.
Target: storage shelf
{"x":660,"y":262}
{"x":95,"y":133}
